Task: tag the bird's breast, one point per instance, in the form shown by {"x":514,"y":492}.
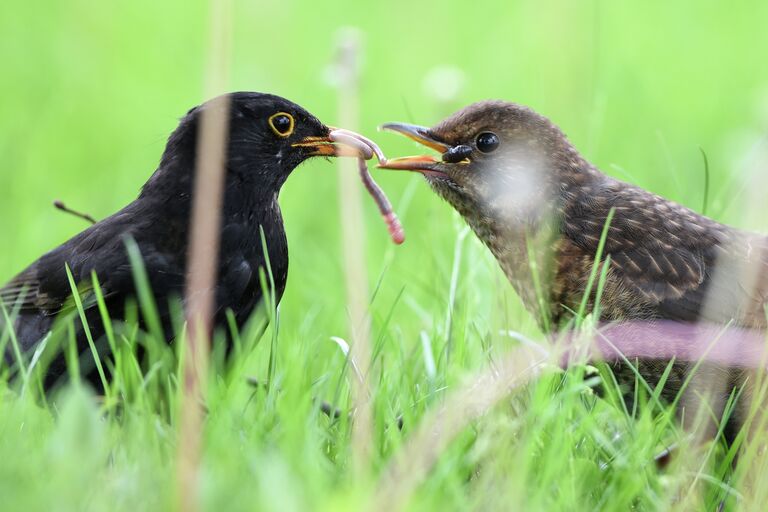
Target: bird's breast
{"x":252,"y":243}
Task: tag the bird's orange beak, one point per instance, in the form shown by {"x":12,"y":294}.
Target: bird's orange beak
{"x":329,"y":146}
{"x":317,"y":146}
{"x":421,"y":135}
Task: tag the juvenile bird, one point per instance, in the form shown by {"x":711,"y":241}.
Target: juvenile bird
{"x":541,"y":209}
{"x":268,"y":137}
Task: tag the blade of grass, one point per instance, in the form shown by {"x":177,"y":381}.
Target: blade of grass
{"x":86,"y":328}
{"x":596,"y":265}
{"x":15,"y":345}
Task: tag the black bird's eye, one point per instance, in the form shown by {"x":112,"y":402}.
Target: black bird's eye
{"x":282,"y":124}
{"x":487,"y":142}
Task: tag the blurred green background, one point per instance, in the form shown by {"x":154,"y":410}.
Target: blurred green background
{"x":89,"y":91}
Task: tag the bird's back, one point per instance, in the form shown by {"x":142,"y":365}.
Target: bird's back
{"x":42,"y":292}
{"x":666,"y":261}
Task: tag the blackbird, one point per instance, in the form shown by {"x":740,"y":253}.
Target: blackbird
{"x":268,"y":137}
{"x":542,"y":210}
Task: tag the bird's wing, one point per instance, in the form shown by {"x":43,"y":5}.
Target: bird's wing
{"x":44,"y":286}
{"x":37,"y":290}
{"x":22,"y":292}
{"x":685,"y":266}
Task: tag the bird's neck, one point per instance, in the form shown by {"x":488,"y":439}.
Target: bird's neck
{"x":247,"y":194}
{"x":525,"y":240}
{"x":523,"y":249}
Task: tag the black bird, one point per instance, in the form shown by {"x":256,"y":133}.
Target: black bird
{"x":541,"y":209}
{"x":268,"y":137}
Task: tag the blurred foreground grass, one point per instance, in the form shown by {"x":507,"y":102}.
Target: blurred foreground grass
{"x":90,"y":91}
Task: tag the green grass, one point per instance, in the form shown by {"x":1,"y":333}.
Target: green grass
{"x":89,"y":94}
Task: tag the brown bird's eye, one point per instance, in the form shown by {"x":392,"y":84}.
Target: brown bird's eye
{"x":282,"y":124}
{"x":487,"y":142}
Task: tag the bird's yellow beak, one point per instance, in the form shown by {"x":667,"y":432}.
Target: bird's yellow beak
{"x":327,"y":145}
{"x":317,"y":146}
{"x":421,"y":135}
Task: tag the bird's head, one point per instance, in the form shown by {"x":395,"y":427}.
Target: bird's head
{"x":266,"y":138}
{"x":496,"y":158}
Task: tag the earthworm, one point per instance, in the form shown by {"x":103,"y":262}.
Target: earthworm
{"x":385,"y":207}
{"x":367,"y":149}
{"x":364,"y":145}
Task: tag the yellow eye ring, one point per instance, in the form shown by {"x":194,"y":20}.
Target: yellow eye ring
{"x":282,"y":124}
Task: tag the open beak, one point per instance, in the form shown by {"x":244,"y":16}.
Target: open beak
{"x":421,"y":163}
{"x":418,"y":133}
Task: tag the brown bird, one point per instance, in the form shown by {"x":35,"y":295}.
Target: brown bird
{"x":542,"y":210}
